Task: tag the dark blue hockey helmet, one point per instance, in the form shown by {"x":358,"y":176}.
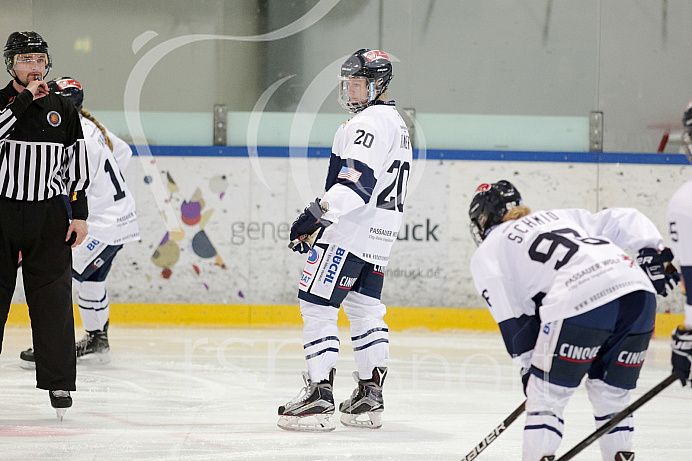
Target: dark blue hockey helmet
{"x":69,"y":88}
{"x":372,"y":65}
{"x":489,"y":206}
{"x":24,"y":43}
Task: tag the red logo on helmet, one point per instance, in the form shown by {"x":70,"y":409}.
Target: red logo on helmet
{"x":62,"y":84}
{"x":483,"y":188}
{"x":375,"y":54}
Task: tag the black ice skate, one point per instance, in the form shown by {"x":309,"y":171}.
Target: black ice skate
{"x":27,"y":360}
{"x":624,"y":456}
{"x":312,"y":409}
{"x":548,"y":458}
{"x":94,"y":346}
{"x":365,"y":407}
{"x":61,"y":401}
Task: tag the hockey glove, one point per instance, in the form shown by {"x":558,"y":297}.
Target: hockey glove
{"x":308,"y":224}
{"x":682,"y":354}
{"x":305,"y":242}
{"x":658,"y":267}
{"x":525,"y":374}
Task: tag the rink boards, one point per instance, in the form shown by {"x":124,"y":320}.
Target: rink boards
{"x":264,"y":316}
{"x":214,"y":223}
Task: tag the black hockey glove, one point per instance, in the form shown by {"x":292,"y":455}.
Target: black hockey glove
{"x":682,"y":354}
{"x":307,"y":225}
{"x":658,"y":267}
{"x":525,"y":374}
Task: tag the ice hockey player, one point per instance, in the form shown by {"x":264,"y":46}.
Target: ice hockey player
{"x":356,"y":223}
{"x":570,"y":302}
{"x":679,"y":217}
{"x":112,"y":222}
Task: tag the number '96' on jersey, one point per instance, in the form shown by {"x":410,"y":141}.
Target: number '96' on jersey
{"x":575,"y":258}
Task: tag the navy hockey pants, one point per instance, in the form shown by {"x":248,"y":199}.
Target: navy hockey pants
{"x":609,"y":343}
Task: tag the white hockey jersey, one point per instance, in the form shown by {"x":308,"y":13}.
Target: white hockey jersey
{"x":679,"y":218}
{"x":567,"y":261}
{"x":366,"y":183}
{"x":112,"y":216}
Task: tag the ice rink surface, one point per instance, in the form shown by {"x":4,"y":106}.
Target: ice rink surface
{"x":212,"y":394}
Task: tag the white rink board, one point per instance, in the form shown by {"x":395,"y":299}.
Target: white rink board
{"x":248,"y":225}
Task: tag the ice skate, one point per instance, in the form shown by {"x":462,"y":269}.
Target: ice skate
{"x":61,"y":401}
{"x":364,"y":408}
{"x":94,"y":347}
{"x":624,"y":456}
{"x":27,"y":360}
{"x":312,"y":409}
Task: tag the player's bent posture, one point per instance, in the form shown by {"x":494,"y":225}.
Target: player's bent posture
{"x":357,"y":221}
{"x":569,"y":302}
{"x":112,"y":222}
{"x":679,"y":219}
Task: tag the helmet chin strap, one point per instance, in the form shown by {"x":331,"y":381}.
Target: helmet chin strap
{"x":16,"y":79}
{"x":372,"y":93}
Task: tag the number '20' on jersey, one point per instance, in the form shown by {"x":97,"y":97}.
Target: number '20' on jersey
{"x":366,"y":183}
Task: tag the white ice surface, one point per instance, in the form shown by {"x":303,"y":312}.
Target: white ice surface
{"x":212,"y":394}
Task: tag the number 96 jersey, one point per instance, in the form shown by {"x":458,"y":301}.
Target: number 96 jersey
{"x":566,"y":261}
{"x":366,"y":183}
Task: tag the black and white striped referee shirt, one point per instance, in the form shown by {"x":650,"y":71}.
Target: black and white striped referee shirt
{"x":42,"y":148}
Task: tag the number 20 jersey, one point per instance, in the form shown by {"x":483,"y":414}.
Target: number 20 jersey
{"x":366,"y":183}
{"x":573,"y":257}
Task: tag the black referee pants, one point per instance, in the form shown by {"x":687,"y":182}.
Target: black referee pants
{"x":38,"y":230}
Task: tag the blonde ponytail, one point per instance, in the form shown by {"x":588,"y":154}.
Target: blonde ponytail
{"x":516,"y":213}
{"x":88,"y":116}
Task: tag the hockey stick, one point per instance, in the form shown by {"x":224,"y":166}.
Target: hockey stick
{"x":490,"y":438}
{"x":619,"y":417}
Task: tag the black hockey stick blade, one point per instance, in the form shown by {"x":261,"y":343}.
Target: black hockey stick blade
{"x":490,"y":438}
{"x":619,"y":417}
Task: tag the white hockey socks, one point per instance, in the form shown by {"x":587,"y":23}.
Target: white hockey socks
{"x":94,"y":306}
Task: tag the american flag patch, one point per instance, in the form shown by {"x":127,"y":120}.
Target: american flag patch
{"x":350,"y":174}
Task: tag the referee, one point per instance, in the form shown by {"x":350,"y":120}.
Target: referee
{"x":42,"y":155}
